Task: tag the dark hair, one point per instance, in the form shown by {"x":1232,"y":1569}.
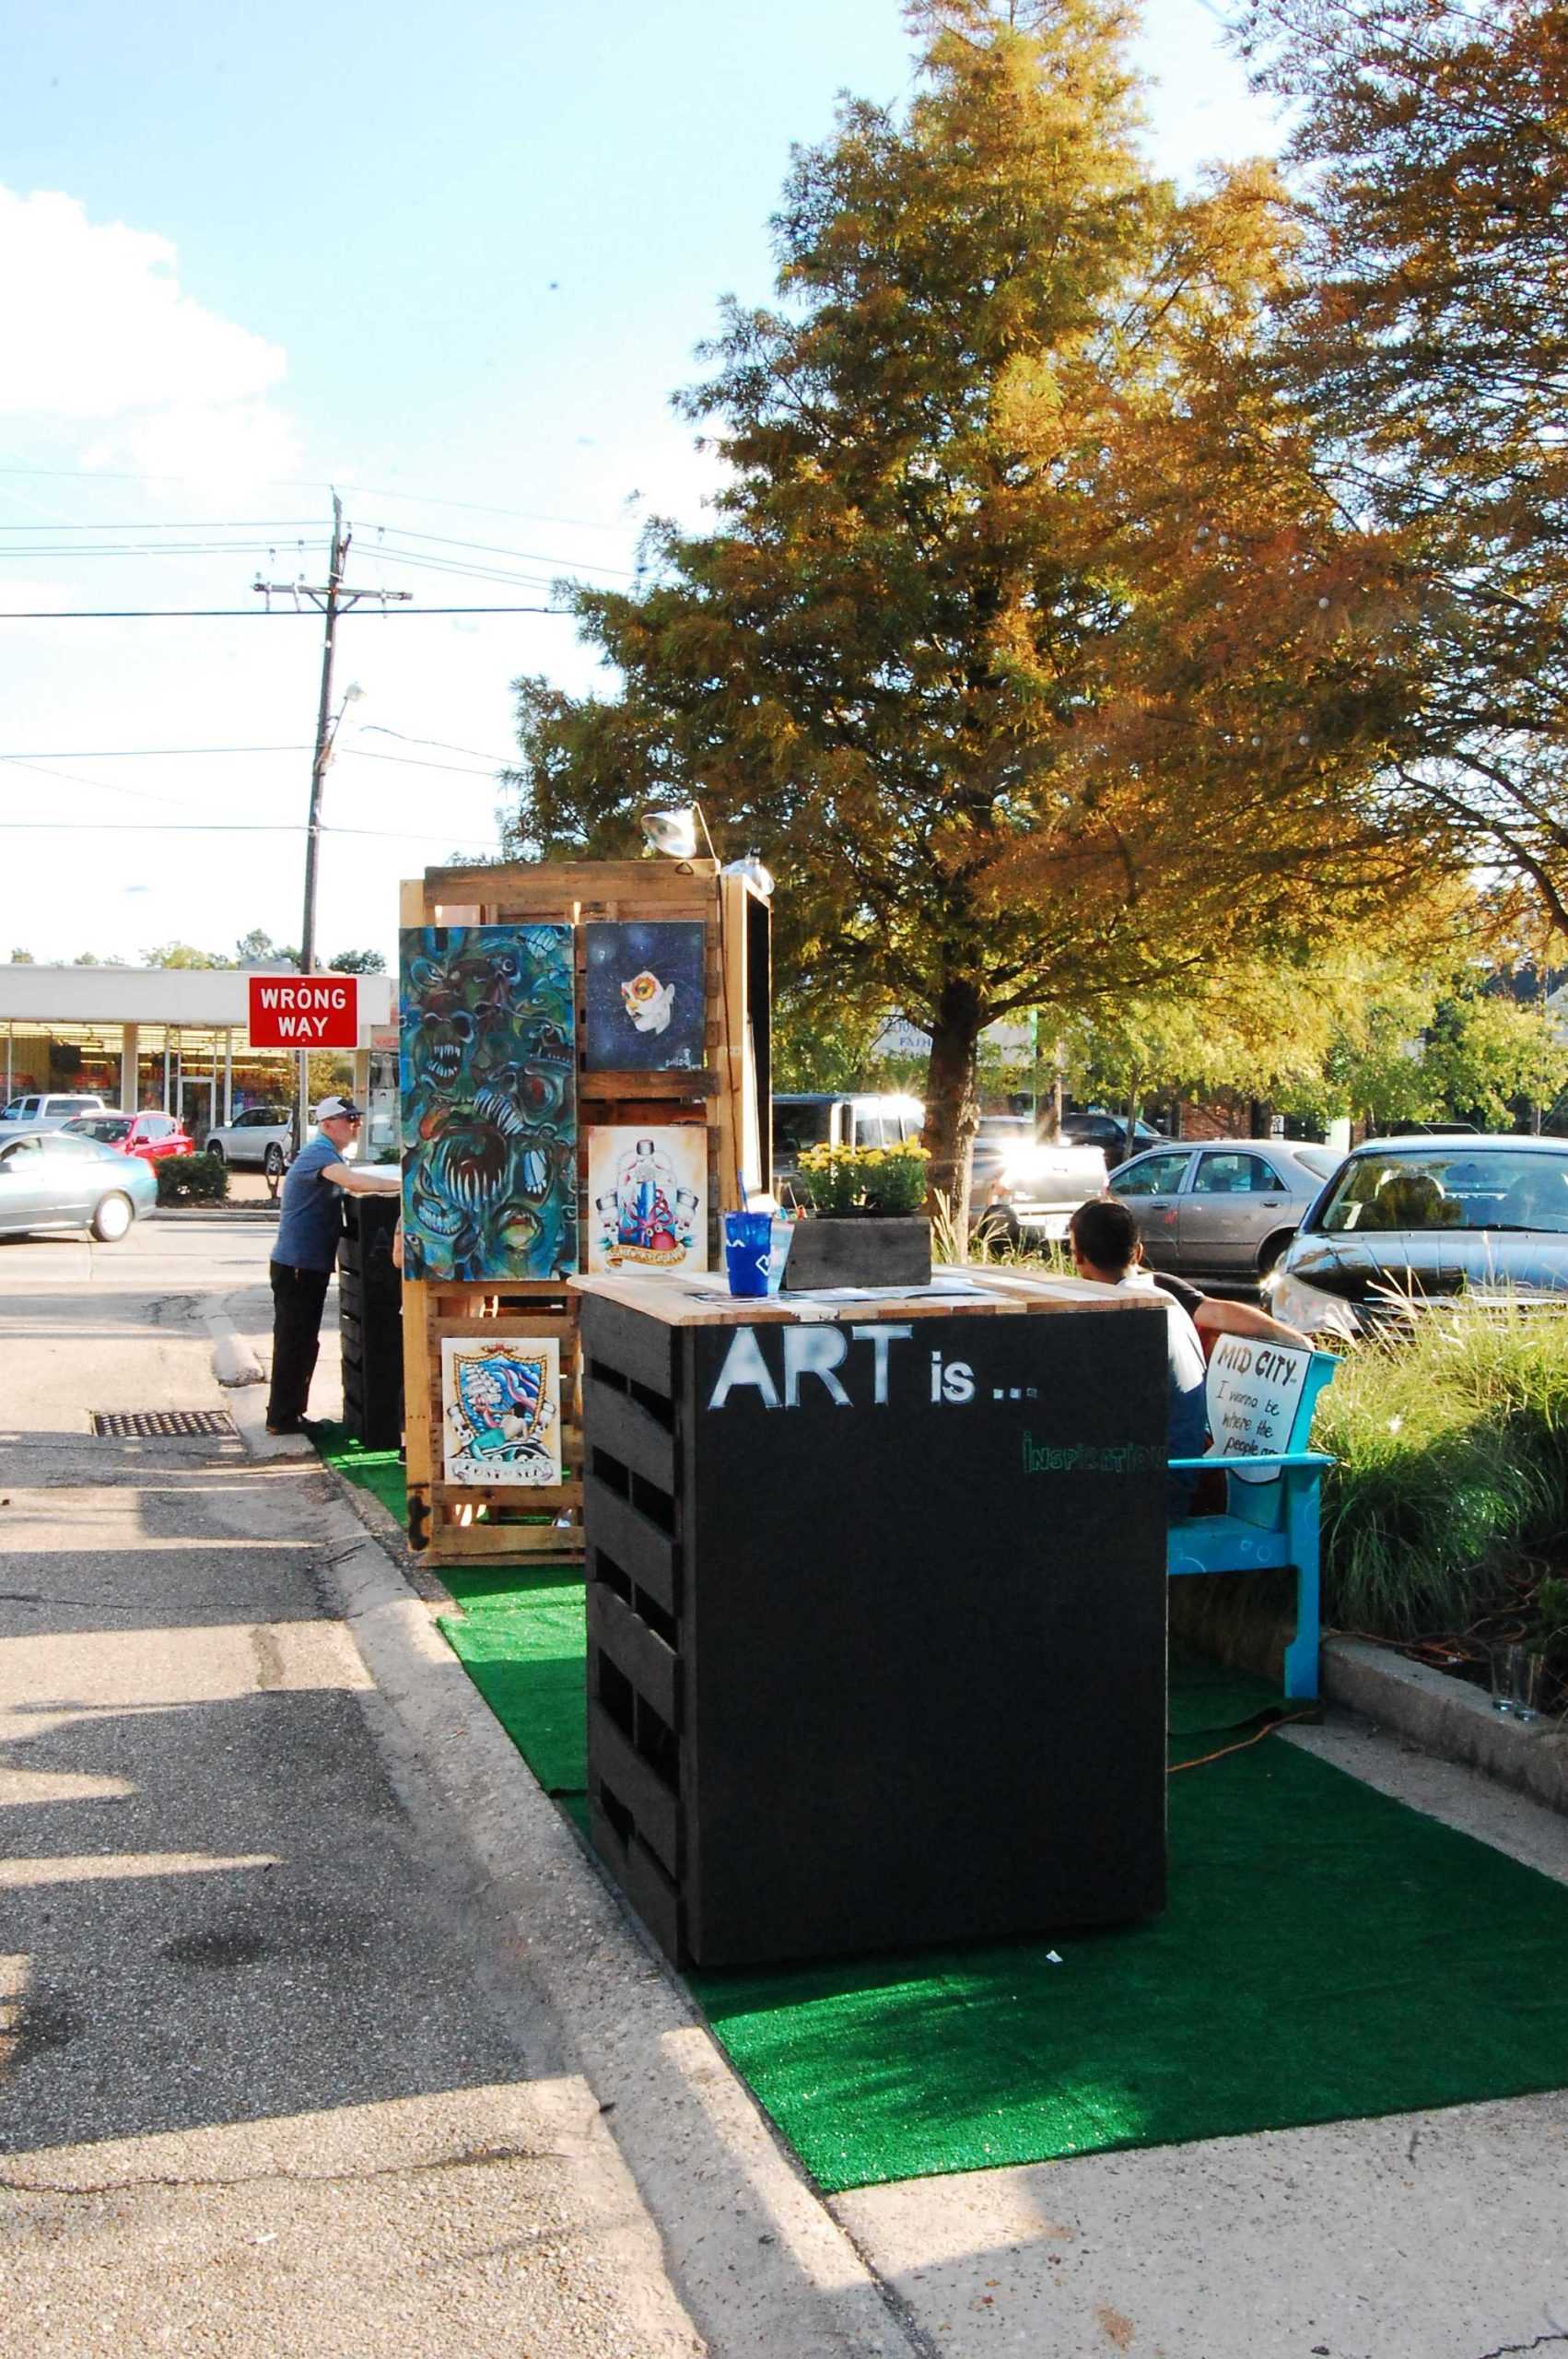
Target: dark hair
{"x":1105,"y":1233}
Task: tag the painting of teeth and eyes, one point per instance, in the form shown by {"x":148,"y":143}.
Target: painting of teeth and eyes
{"x":488,"y":1063}
{"x":646,"y":1002}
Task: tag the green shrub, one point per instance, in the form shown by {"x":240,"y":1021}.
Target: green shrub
{"x":1451,"y":1467}
{"x":192,"y":1180}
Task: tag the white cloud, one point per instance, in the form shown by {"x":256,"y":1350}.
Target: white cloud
{"x":221,"y":444}
{"x":99,"y":332}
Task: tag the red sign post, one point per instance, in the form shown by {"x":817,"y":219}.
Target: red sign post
{"x":304,"y":1012}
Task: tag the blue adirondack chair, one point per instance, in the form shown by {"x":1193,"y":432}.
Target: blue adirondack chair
{"x":1270,"y":1519}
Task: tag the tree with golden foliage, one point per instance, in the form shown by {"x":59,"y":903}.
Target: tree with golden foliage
{"x":1025,"y":648}
{"x":1426,"y":347}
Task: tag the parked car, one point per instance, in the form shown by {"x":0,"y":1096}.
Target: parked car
{"x":1095,"y":1127}
{"x":1023,"y":1186}
{"x":49,"y":1179}
{"x":261,"y":1137}
{"x":1411,"y":1221}
{"x":51,"y":1110}
{"x":1225,"y":1208}
{"x":804,"y":1119}
{"x":155,"y":1137}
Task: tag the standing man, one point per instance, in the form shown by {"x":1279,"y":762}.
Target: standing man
{"x":307,"y":1231}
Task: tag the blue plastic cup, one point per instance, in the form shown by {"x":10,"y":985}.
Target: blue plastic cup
{"x":756,"y":1246}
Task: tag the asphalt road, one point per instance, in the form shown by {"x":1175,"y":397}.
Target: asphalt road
{"x":262,"y":2087}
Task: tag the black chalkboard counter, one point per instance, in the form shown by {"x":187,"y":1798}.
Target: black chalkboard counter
{"x":876,"y":1612}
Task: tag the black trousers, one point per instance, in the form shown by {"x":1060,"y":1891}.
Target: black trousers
{"x":297,"y":1299}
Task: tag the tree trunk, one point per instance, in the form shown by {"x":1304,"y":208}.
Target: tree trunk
{"x":952,"y":1107}
{"x":1134,"y":1099}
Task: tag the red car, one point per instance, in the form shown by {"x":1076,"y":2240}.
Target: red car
{"x":155,"y":1137}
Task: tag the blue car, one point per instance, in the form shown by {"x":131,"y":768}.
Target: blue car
{"x":49,"y":1179}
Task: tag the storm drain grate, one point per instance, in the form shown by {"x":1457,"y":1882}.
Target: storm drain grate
{"x":120,"y":1424}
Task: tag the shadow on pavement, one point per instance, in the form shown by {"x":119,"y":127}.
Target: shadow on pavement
{"x":216,"y":1912}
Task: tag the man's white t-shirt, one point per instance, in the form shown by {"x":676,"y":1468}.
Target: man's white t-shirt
{"x":1186,"y":1365}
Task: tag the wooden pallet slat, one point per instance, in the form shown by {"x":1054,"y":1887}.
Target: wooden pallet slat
{"x":576,"y":893}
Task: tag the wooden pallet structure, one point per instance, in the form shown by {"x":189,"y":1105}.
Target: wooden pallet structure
{"x":728,"y":1098}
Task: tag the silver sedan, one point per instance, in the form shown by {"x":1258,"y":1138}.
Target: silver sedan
{"x":51,"y":1180}
{"x":1226,"y":1208}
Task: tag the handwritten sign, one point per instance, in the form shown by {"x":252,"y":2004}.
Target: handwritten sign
{"x":1254,"y":1391}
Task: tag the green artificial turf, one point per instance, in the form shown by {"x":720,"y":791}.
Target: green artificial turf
{"x":522,"y":1639}
{"x":1326,"y":1954}
{"x":379,"y":1472}
{"x":519,"y":1637}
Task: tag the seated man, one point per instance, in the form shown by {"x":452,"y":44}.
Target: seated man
{"x":1106,"y":1248}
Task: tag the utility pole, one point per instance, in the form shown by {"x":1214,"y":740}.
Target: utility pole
{"x":334,"y":599}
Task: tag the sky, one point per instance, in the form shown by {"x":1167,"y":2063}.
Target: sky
{"x":450,"y":262}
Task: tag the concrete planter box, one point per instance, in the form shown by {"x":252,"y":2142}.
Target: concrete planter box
{"x":858,"y":1249}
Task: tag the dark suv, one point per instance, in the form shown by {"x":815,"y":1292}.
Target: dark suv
{"x":1095,"y":1127}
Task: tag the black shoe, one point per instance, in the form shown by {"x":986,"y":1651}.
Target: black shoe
{"x":289,"y":1425}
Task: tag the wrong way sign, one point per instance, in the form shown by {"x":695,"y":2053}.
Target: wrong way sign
{"x":304,"y":1012}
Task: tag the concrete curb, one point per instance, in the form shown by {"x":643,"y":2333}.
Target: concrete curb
{"x":240,"y":1376}
{"x":1448,"y":1718}
{"x":752,"y":2252}
{"x":234,"y":1360}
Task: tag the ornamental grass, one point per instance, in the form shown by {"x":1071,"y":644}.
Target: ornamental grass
{"x":1447,"y":1510}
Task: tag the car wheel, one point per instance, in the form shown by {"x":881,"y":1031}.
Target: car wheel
{"x":1271,"y":1251}
{"x":112,"y":1219}
{"x":214,"y":1149}
{"x":273,"y":1161}
{"x":998,"y":1228}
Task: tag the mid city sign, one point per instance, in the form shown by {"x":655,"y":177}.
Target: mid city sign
{"x":304,"y":1012}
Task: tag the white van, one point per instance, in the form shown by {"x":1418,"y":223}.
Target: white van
{"x":50,"y":1112}
{"x":802,"y":1119}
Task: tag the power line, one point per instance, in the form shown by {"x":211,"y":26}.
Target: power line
{"x":221,"y":827}
{"x":158,"y":753}
{"x":488,"y":548}
{"x":249,"y":614}
{"x":140,"y":753}
{"x":379,"y":729}
{"x":300,"y":483}
{"x":365,"y":754}
{"x":170,"y":548}
{"x":196,"y":524}
{"x":96,"y":785}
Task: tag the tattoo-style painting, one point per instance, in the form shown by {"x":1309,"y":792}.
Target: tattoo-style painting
{"x":647,"y":1004}
{"x":648,"y":1187}
{"x":487,"y":1064}
{"x":501,"y":1409}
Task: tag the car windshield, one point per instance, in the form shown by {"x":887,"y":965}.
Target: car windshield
{"x":1319,"y":1159}
{"x":796,"y":1128}
{"x":1465,"y":1186}
{"x":107,"y":1127}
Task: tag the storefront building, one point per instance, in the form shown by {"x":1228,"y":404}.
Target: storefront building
{"x":176,"y":1037}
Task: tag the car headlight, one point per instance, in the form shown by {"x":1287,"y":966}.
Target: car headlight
{"x":1309,"y":1308}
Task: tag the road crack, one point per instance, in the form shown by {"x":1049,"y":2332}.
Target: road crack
{"x":474,"y":2158}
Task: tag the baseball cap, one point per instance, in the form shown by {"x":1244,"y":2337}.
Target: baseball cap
{"x":327,"y":1107}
